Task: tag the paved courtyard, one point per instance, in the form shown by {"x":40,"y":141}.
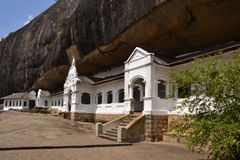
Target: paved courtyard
{"x":31,"y":129}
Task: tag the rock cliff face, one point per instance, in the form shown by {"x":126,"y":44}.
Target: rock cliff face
{"x":101,"y":34}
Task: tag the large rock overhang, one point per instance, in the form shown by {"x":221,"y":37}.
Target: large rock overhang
{"x":102,"y":35}
{"x":171,"y":29}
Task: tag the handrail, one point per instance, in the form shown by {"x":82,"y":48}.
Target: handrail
{"x":114,"y":123}
{"x":134,"y":131}
{"x":133,"y":122}
{"x":120,"y":118}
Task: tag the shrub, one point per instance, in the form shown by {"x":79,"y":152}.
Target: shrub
{"x":215,"y":103}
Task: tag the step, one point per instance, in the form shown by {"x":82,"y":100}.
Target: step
{"x":134,"y":116}
{"x":125,"y":121}
{"x":110,"y":134}
{"x":115,"y":129}
{"x":112,"y":131}
{"x":108,"y":137}
{"x":123,"y":124}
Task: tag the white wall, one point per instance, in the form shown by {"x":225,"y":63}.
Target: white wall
{"x":15,"y":104}
{"x":56,"y":102}
{"x":113,"y":108}
{"x":139,"y":65}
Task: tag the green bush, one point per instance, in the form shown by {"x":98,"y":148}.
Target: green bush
{"x":215,"y":103}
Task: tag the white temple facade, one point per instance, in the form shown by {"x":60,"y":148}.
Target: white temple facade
{"x":138,"y":86}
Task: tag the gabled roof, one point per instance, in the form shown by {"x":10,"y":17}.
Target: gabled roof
{"x":106,"y":79}
{"x":141,"y":54}
{"x":187,"y":57}
{"x":45,"y":93}
{"x":22,"y":95}
{"x":56,"y":94}
{"x":86,"y":79}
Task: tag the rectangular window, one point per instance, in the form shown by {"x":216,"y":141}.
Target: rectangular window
{"x":109,"y":97}
{"x":121,"y":96}
{"x":99,"y":98}
{"x":162,"y":89}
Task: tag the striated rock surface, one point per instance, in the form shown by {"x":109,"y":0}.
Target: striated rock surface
{"x":101,"y":34}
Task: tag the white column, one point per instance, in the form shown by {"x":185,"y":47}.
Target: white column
{"x":155,"y":93}
{"x":167,"y":92}
{"x":73,"y":102}
{"x":65,"y":102}
{"x":92,"y":98}
{"x":80,"y":98}
{"x":141,"y":89}
{"x":104,"y":98}
{"x":27,"y":104}
{"x":131,"y":91}
{"x":114,"y":98}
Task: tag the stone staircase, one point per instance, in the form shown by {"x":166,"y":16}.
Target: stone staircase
{"x":112,"y":132}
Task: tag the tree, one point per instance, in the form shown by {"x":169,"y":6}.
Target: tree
{"x":214,"y":102}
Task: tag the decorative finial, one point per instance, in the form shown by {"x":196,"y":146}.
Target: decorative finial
{"x":73,"y":62}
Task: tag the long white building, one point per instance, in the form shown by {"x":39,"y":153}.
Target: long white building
{"x":135,"y":99}
{"x":23,"y":100}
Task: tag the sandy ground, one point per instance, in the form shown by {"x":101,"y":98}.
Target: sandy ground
{"x":32,"y":129}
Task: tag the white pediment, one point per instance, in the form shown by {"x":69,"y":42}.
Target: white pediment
{"x":137,"y":54}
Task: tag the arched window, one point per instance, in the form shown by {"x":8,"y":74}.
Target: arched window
{"x":24,"y":103}
{"x":59,"y":103}
{"x":20,"y":103}
{"x":45,"y":103}
{"x":162,"y":89}
{"x":121,"y":96}
{"x":99,"y":98}
{"x":109,"y":97}
{"x":10,"y":103}
{"x":86,"y":98}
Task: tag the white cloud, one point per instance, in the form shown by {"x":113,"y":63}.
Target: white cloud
{"x":29,"y":18}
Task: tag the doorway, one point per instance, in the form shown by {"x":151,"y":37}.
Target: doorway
{"x":138,"y":94}
{"x":32,"y":104}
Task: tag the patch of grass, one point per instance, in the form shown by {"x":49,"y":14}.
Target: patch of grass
{"x":64,"y":23}
{"x":49,"y":47}
{"x":67,"y":115}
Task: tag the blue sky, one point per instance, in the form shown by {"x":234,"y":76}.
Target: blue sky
{"x":14,"y":14}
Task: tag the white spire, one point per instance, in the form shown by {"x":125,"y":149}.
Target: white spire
{"x":73,"y":62}
{"x":72,"y":77}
